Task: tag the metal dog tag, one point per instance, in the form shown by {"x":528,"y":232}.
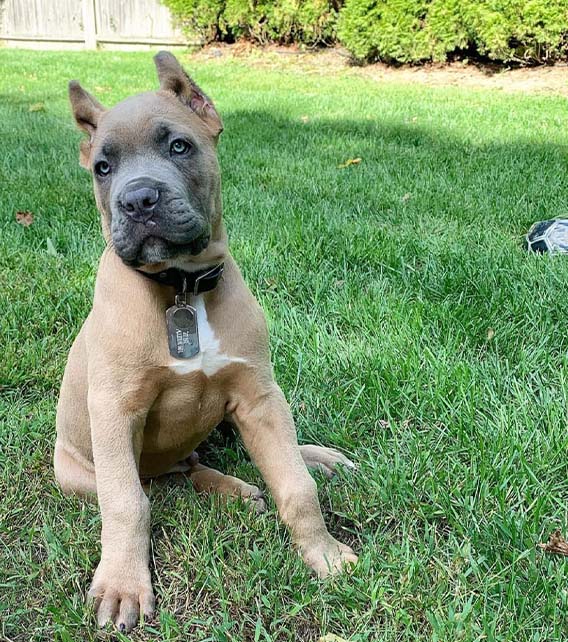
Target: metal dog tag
{"x":183,"y":335}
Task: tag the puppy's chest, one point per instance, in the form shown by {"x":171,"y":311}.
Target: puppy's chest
{"x":194,"y":399}
{"x":211,"y":358}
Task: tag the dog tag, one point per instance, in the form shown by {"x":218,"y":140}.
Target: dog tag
{"x":183,"y":335}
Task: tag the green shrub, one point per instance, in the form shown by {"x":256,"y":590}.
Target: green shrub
{"x":387,"y":30}
{"x":446,"y":29}
{"x":201,"y":18}
{"x":406,"y":31}
{"x":416,"y":30}
{"x":522,"y":30}
{"x":310,"y":22}
{"x":284,"y":21}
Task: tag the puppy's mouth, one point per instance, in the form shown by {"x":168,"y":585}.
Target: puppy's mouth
{"x":151,"y":223}
{"x":155,"y":249}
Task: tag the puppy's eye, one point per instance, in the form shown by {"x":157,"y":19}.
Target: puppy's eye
{"x":179,"y":146}
{"x":102,"y":168}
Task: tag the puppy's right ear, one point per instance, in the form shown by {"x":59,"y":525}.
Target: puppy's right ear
{"x":87,"y":112}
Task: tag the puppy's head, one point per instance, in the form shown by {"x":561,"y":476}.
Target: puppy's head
{"x":154,"y":166}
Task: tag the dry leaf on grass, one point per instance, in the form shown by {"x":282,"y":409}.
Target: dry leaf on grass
{"x":556,"y":544}
{"x":24,"y":218}
{"x":37,"y":107}
{"x":331,"y":637}
{"x":490,"y":334}
{"x":350,"y":161}
{"x":305,"y":119}
{"x":406,"y":197}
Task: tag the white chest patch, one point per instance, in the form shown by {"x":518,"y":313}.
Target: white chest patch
{"x":210,"y":358}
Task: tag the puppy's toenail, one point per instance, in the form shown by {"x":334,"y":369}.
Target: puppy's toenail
{"x":122,"y":627}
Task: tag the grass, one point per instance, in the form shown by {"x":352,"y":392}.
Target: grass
{"x":409,"y":328}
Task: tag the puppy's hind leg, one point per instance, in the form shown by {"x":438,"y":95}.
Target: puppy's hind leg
{"x":209,"y":480}
{"x":74,"y":476}
{"x":325,"y":459}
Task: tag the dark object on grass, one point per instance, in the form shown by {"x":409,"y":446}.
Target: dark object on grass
{"x":555,"y":544}
{"x":548,"y":236}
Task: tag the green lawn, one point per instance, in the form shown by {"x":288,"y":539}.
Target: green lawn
{"x":409,"y":329}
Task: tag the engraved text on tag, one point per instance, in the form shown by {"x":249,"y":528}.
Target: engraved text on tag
{"x":183,"y":335}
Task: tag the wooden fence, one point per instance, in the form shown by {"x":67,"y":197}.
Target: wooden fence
{"x":87,"y":23}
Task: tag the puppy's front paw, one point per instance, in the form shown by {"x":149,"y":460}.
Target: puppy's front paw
{"x":120,"y":593}
{"x":328,"y":556}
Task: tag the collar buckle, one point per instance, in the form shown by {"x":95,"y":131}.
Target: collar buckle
{"x":218,"y":268}
{"x":181,"y":297}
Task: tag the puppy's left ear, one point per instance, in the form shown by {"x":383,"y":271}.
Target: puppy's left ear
{"x":173,"y":78}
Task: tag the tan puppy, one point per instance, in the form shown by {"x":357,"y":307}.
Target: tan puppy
{"x":128,"y":409}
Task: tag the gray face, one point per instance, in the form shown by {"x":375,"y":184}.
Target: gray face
{"x":156,"y":179}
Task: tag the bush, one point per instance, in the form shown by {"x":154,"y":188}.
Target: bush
{"x":284,"y":22}
{"x":521,"y":30}
{"x":416,"y":30}
{"x":309,"y":22}
{"x":406,"y":31}
{"x":391,"y":30}
{"x":201,"y":18}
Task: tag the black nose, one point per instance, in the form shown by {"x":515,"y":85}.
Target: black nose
{"x":139,"y":203}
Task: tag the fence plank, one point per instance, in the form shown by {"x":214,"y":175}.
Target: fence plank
{"x":131,"y":19}
{"x":89,"y":24}
{"x":88,"y":21}
{"x":41,"y":18}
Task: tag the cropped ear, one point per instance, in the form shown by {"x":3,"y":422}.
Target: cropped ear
{"x":87,"y":112}
{"x":173,"y":78}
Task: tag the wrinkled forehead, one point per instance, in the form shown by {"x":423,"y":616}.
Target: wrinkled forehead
{"x":146,"y":120}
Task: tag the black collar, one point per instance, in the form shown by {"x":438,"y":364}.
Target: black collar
{"x":190,"y":282}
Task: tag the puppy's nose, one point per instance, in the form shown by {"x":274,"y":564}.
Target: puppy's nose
{"x":139,"y":203}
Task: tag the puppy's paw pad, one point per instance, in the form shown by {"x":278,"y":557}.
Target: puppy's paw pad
{"x":329,"y":557}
